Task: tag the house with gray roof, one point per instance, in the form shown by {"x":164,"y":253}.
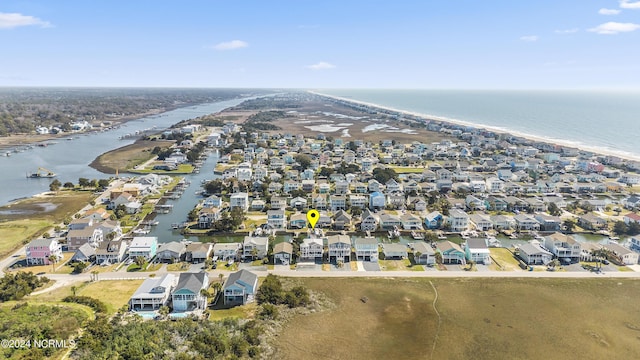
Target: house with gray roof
{"x":423,"y":253}
{"x":394,"y":251}
{"x":111,"y":252}
{"x":152,"y":294}
{"x":85,"y":253}
{"x":283,"y":253}
{"x":198,"y":252}
{"x":533,"y":254}
{"x":187,"y":294}
{"x":240,"y":288}
{"x":171,"y":252}
{"x":366,"y":248}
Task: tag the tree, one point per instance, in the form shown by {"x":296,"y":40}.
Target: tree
{"x":254,"y":253}
{"x":553,"y":264}
{"x":68,"y":185}
{"x":382,"y":175}
{"x":140,"y":260}
{"x":619,"y":227}
{"x":569,"y":225}
{"x":94,"y":275}
{"x":304,"y":161}
{"x":438,"y":257}
{"x":103,"y":183}
{"x":164,"y":311}
{"x":416,"y":257}
{"x":83,"y":182}
{"x":55,"y":185}
{"x":53,"y":259}
{"x":554,"y":209}
{"x":73,"y":290}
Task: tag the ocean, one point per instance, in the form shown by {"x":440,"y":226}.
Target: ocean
{"x":599,"y":121}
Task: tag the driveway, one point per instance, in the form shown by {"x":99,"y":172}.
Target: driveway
{"x":309,"y":266}
{"x":482,"y":267}
{"x":371,"y":266}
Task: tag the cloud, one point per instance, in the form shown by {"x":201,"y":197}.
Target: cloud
{"x":625,"y":4}
{"x":529,"y":38}
{"x":14,"y":20}
{"x":604,"y":11}
{"x":321,"y":66}
{"x":567,"y":31}
{"x":231,"y":45}
{"x":611,"y":28}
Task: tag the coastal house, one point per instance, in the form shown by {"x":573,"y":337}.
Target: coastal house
{"x":458,"y":220}
{"x":197,"y":252}
{"x":591,"y":221}
{"x":91,"y":235}
{"x":42,"y":251}
{"x":226,"y":251}
{"x":526,"y":222}
{"x":366,"y":248}
{"x":623,"y":255}
{"x":152,"y":294}
{"x":86,"y":253}
{"x":503,"y":222}
{"x":283,"y":253}
{"x":111,"y":252}
{"x":240,"y":288}
{"x":171,"y":252}
{"x":565,"y":247}
{"x":311,"y":248}
{"x":255,"y":247}
{"x":369,"y":221}
{"x":423,"y":253}
{"x":298,"y":221}
{"x":341,"y":220}
{"x":481,"y":222}
{"x":394,"y":251}
{"x":276,"y":219}
{"x":145,"y":247}
{"x":187,"y":295}
{"x":548,"y":222}
{"x":433,"y":220}
{"x":377,"y":201}
{"x":411,"y":222}
{"x":339,"y":248}
{"x":389,"y":221}
{"x":451,"y":252}
{"x":239,"y":200}
{"x":533,"y":254}
{"x":477,"y":250}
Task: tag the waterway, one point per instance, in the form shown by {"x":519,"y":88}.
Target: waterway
{"x":69,"y":159}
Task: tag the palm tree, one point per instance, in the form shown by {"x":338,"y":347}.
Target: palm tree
{"x":438,"y":258}
{"x":254,"y":253}
{"x":53,"y":259}
{"x":73,"y":290}
{"x":140,"y":260}
{"x":205,"y":294}
{"x":217,"y":287}
{"x":220,"y":276}
{"x":94,"y":275}
{"x":164,"y":311}
{"x":416,"y":257}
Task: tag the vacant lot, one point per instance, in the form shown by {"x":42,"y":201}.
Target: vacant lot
{"x":114,"y":293}
{"x":29,"y":218}
{"x":480,"y":319}
{"x":127,"y":157}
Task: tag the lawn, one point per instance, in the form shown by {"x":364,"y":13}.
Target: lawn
{"x":114,"y":293}
{"x":181,"y":266}
{"x":15,"y":233}
{"x":407,"y":169}
{"x":399,"y":265}
{"x":503,"y":260}
{"x":479,"y":319}
{"x":237,"y":312}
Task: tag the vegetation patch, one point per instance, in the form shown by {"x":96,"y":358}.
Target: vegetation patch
{"x":480,"y":318}
{"x":33,"y":322}
{"x":127,"y":157}
{"x":18,"y":285}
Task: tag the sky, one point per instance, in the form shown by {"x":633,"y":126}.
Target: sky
{"x":462,"y":44}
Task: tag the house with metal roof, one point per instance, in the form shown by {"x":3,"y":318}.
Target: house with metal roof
{"x":152,"y":294}
{"x":187,"y":295}
{"x":240,"y":288}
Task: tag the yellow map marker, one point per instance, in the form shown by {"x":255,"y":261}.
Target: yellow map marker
{"x":313,"y":216}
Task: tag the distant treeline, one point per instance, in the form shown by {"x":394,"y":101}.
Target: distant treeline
{"x":22,"y":110}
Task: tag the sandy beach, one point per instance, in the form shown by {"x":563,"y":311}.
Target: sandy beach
{"x":562,"y":142}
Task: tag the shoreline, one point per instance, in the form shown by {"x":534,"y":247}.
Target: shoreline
{"x":562,"y":142}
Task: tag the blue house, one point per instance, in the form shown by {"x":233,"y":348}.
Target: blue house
{"x":377,"y":200}
{"x":433,"y":220}
{"x":212,"y":201}
{"x":240,"y":287}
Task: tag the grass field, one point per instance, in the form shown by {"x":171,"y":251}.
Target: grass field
{"x":505,"y":258}
{"x":113,"y":293}
{"x":127,"y":157}
{"x":480,"y":319}
{"x":29,"y":218}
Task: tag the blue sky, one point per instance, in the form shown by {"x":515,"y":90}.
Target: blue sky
{"x":542,"y":44}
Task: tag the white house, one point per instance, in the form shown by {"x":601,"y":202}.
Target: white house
{"x":240,"y":200}
{"x":152,"y":294}
{"x":260,"y":244}
{"x":366,"y":248}
{"x":339,"y":248}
